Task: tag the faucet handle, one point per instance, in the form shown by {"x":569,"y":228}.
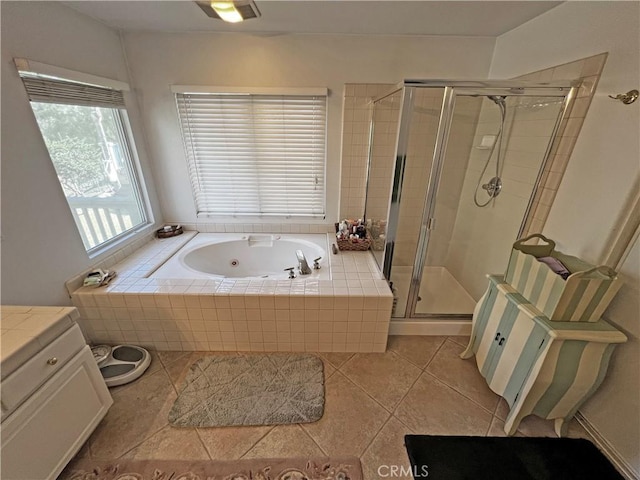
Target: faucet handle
{"x":316,"y":263}
{"x":290,"y":270}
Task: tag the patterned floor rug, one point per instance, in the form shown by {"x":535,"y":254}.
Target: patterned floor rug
{"x":266,"y":389}
{"x":272,"y":469}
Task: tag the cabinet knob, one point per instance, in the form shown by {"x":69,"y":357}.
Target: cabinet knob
{"x":52,"y":361}
{"x":497,"y":336}
{"x":501,"y":341}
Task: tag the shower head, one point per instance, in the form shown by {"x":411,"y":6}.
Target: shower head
{"x":497,"y":99}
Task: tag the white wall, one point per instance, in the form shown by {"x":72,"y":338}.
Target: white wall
{"x":599,"y":178}
{"x":160,"y":60}
{"x":41,"y":247}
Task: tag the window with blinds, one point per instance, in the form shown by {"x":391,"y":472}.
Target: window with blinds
{"x":85,"y":129}
{"x":255,"y":154}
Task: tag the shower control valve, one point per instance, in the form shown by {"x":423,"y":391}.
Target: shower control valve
{"x":291,"y":274}
{"x":316,"y":263}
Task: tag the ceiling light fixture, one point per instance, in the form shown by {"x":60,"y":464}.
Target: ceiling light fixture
{"x":227,"y":11}
{"x":230,"y":11}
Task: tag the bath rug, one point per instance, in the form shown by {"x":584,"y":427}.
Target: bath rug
{"x":259,"y":469}
{"x":507,"y":458}
{"x":266,"y":389}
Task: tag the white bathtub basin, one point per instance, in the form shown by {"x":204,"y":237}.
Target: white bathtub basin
{"x":251,"y":256}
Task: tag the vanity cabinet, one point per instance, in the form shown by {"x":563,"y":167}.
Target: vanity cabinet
{"x":51,"y":402}
{"x":542,"y":367}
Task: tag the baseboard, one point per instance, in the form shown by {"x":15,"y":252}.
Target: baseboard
{"x":612,"y":454}
{"x":430,"y":326}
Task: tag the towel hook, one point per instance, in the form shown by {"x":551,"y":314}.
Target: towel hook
{"x":626,"y":98}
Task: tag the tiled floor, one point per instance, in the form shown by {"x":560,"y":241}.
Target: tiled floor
{"x":419,"y":385}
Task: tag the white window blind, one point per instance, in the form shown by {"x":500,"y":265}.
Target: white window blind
{"x":49,"y":90}
{"x":260,"y":155}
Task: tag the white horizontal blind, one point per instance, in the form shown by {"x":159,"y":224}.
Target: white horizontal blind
{"x":70,"y":93}
{"x":261,"y":155}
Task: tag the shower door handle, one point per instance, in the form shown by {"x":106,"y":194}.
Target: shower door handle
{"x":431,"y":223}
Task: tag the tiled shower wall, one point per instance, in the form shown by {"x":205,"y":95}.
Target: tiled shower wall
{"x":587,"y":71}
{"x":355,"y":144}
{"x":481,"y":239}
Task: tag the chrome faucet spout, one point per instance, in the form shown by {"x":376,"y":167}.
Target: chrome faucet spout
{"x":302,"y":263}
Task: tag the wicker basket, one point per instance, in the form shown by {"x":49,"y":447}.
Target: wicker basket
{"x":175,"y":230}
{"x":361,"y":245}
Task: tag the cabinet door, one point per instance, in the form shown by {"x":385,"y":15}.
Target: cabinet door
{"x":41,"y":436}
{"x":488,"y":331}
{"x":515,"y":353}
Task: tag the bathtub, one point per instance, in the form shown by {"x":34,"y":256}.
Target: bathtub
{"x":251,"y":256}
{"x":185,"y":293}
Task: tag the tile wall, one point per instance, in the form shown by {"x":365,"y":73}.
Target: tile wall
{"x":587,"y":71}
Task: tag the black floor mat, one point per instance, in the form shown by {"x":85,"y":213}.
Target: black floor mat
{"x":506,"y":458}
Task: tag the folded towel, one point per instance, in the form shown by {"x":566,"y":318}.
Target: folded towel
{"x":556,"y":265}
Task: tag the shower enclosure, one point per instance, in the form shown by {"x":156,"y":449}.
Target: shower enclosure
{"x":453,"y":170}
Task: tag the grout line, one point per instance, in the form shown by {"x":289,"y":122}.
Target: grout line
{"x":312,"y":439}
{"x":374,"y":438}
{"x":258,"y":441}
{"x":365,"y":392}
{"x":460,"y":393}
{"x":206,"y":450}
{"x":143,"y":440}
{"x":413,"y":384}
{"x":492,"y":412}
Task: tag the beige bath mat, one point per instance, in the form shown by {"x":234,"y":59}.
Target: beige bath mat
{"x":275,"y":469}
{"x":265,"y":389}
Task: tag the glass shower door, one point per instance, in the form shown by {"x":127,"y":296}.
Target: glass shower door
{"x":382,"y":150}
{"x":494,"y":153}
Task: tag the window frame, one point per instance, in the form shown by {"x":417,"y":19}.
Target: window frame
{"x":194,"y":178}
{"x":126,"y":139}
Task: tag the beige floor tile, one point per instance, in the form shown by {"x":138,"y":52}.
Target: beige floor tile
{"x":387,"y":377}
{"x":231,"y":443}
{"x":433,"y":408}
{"x":577,"y":431}
{"x":351,"y":418}
{"x":177,"y":370}
{"x":386,"y":450}
{"x":534,"y":426}
{"x":502,"y":409}
{"x":337,"y":359}
{"x":419,"y":350}
{"x":497,"y":429}
{"x":137,"y":413}
{"x":462,"y":375}
{"x":167,"y":358}
{"x":285,"y":441}
{"x":328,"y":368}
{"x":170,"y":443}
{"x":85,"y":451}
{"x":462,"y":340}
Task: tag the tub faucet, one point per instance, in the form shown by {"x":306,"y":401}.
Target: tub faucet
{"x":302,"y":263}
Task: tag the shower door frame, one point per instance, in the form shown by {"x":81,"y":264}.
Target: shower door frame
{"x":566,"y":89}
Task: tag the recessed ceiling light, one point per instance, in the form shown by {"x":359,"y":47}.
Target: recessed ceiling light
{"x":230,"y":11}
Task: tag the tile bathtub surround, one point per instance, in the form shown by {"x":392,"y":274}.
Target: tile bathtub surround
{"x":349,"y":313}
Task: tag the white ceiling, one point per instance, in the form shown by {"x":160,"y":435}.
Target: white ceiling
{"x":469,"y":18}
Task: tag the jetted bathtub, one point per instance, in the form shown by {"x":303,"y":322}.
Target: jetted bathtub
{"x":248,"y":256}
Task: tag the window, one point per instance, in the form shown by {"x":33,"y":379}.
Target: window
{"x":85,"y":130}
{"x":255,"y":154}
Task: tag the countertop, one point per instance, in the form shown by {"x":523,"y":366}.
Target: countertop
{"x":25,"y":330}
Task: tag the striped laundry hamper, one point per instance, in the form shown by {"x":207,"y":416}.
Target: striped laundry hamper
{"x":582,"y":297}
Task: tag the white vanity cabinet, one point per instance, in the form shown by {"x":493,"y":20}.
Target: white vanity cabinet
{"x":542,"y":367}
{"x":52,"y":393}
